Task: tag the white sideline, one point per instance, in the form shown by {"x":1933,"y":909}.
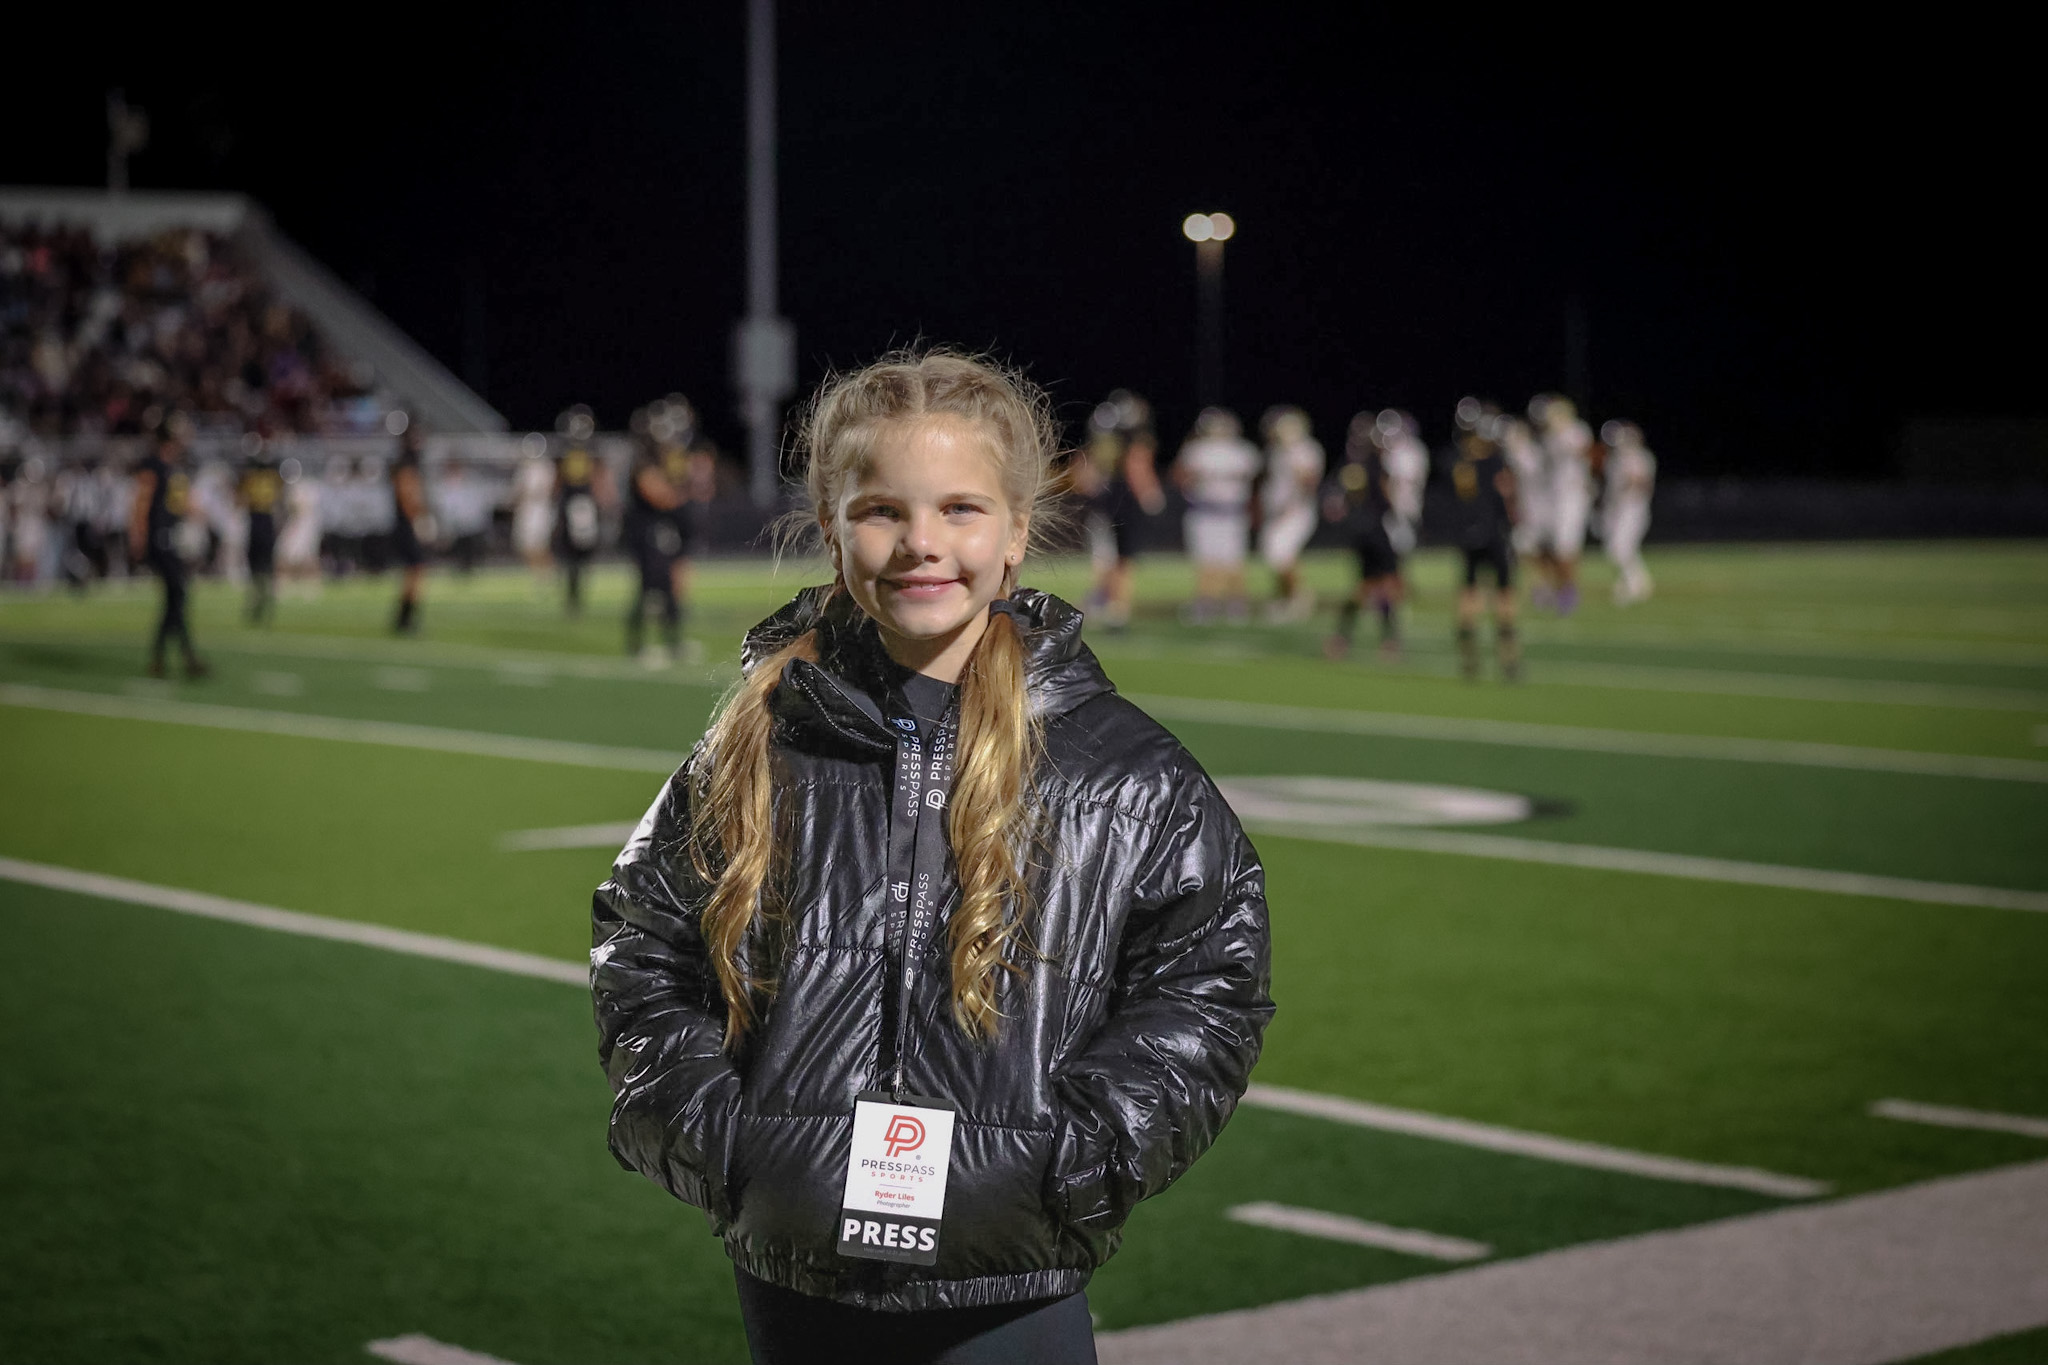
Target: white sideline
{"x":1947,"y":1116}
{"x":1880,"y":1277}
{"x":576,"y":974}
{"x":1342,"y":1227}
{"x":1518,"y":1142}
{"x":1588,"y":739}
{"x":1682,"y":865}
{"x":576,"y":754}
{"x":1792,"y":686}
{"x":415,"y":1348}
{"x":567,"y":836}
{"x":539,"y":664}
{"x":294,"y":922}
{"x":1259,"y":715}
{"x":396,"y":733}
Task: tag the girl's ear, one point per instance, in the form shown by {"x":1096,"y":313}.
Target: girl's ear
{"x":831,"y":542}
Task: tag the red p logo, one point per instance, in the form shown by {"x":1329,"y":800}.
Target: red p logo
{"x":905,"y":1134}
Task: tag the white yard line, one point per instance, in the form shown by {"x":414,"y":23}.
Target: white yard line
{"x":1429,"y":662}
{"x":1517,"y":1142}
{"x":1587,"y":739}
{"x":417,"y":1349}
{"x":575,"y":754}
{"x":1790,"y":686}
{"x":1947,"y":1116}
{"x":568,"y":836}
{"x":294,"y":922}
{"x":1341,"y":1227}
{"x":1651,"y":863}
{"x":1880,"y":1277}
{"x":345,"y":649}
{"x":1260,"y":715}
{"x":394,"y":679}
{"x":396,"y":733}
{"x":1763,"y":639}
{"x":1334,"y":1107}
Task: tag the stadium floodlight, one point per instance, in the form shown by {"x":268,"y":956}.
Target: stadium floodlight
{"x":1209,"y":231}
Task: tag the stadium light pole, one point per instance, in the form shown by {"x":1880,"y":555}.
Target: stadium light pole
{"x":127,"y":134}
{"x":764,"y":345}
{"x":1209,"y":231}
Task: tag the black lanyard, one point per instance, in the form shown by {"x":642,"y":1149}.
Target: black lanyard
{"x":918,"y":849}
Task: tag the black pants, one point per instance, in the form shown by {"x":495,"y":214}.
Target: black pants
{"x":262,"y":554}
{"x":573,"y":561}
{"x":170,"y":625}
{"x":657,"y":566}
{"x":788,"y":1328}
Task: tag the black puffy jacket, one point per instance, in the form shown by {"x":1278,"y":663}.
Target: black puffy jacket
{"x":1119,"y":1056}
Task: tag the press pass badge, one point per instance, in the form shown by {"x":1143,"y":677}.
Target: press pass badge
{"x":896,"y":1178}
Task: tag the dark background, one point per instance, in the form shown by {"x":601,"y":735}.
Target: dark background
{"x":1781,"y":245}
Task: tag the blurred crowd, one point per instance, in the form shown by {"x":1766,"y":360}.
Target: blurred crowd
{"x":102,"y":338}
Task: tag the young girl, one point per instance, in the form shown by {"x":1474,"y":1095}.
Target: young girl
{"x":937,"y":956}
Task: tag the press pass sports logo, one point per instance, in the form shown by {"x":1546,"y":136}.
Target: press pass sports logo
{"x":905,"y":1134}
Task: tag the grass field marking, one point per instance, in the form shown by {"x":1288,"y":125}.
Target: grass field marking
{"x":415,"y":1348}
{"x":274,"y":684}
{"x":1947,"y":1116}
{"x":1588,"y":739}
{"x":1295,"y":799}
{"x":567,"y":836}
{"x":1428,"y":661}
{"x":1876,"y":1277}
{"x":208,"y":906}
{"x":1341,"y":1227}
{"x":392,"y":678}
{"x":1797,"y":644}
{"x":1518,"y":1142}
{"x":441,"y":654}
{"x":1790,"y":686}
{"x":1682,"y":865}
{"x":518,"y":673}
{"x":396,"y":733}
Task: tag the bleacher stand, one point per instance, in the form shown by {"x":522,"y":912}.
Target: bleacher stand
{"x":96,"y":338}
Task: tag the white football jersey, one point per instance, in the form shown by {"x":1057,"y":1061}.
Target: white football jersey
{"x":1293,"y":472}
{"x":1406,"y":461}
{"x":1220,"y":470}
{"x":1631,"y":474}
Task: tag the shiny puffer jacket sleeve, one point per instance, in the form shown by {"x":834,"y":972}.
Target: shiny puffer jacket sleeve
{"x":1151,"y":1090}
{"x":660,"y":1015}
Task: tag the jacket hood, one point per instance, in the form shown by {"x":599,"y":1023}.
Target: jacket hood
{"x":840,"y":693}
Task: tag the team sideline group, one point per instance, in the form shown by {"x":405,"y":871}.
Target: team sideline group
{"x":1519,"y":489}
{"x":1514,"y":490}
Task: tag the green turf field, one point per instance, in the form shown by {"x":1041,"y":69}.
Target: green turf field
{"x":232,"y":1144}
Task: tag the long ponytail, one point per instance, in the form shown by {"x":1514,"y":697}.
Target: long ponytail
{"x":732,"y":828}
{"x":988,"y":822}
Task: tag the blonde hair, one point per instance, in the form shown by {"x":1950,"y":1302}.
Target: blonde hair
{"x":989,"y":816}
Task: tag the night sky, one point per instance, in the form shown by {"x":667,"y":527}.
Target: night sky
{"x":1781,"y":244}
